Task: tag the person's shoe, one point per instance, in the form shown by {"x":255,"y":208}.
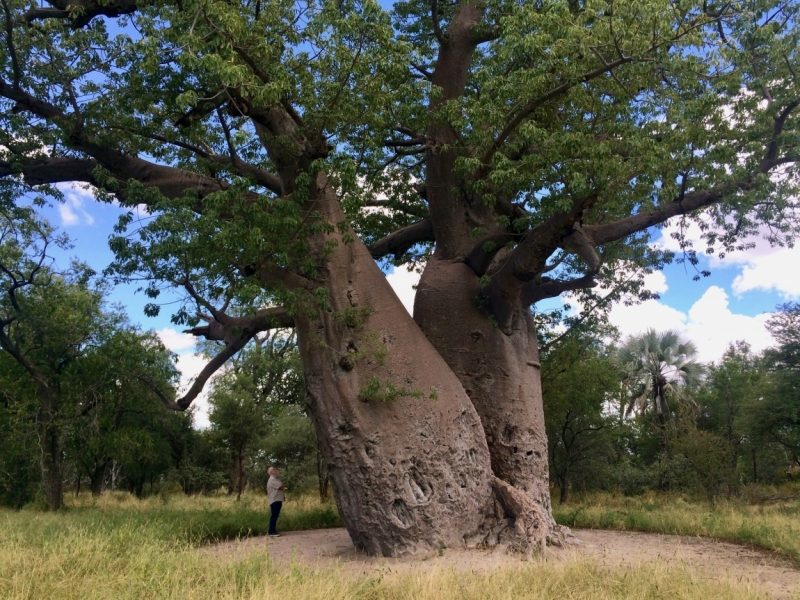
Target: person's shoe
{"x":274,"y":535}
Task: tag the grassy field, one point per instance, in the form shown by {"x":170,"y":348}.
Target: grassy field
{"x":118,"y":547}
{"x":772,"y":525}
{"x":197,"y":519}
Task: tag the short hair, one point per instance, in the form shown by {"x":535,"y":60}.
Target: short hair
{"x":271,"y":468}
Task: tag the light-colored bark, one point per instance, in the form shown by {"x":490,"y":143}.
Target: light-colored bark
{"x":403,"y":444}
{"x":500,"y":372}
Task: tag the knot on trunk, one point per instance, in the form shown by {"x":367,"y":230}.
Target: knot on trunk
{"x":531,"y":522}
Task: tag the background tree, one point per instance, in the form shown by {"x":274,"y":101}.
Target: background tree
{"x":524,"y":149}
{"x":733,"y":390}
{"x":247,"y":398}
{"x":579,"y":384}
{"x":47,"y":320}
{"x":112,"y":390}
{"x":72,"y":361}
{"x":659,"y":368}
{"x":777,"y":416}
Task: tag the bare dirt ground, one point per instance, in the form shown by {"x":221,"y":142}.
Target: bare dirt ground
{"x":714,"y":559}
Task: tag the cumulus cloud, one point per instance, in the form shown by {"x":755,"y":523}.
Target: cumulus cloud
{"x":768,"y":272}
{"x":709,"y":323}
{"x":72,"y":211}
{"x":175,"y":340}
{"x":761,"y":267}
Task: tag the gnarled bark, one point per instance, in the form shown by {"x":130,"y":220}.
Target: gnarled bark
{"x":404,"y":447}
{"x":500,"y":372}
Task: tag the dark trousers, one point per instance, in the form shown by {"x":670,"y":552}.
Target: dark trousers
{"x":275,"y":510}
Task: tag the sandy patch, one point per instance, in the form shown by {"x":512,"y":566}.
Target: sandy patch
{"x":709,"y":558}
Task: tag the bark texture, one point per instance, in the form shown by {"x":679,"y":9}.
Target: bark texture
{"x":52,"y":464}
{"x":500,"y":372}
{"x":404,"y":447}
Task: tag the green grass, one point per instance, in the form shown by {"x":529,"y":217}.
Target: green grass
{"x":774,"y":526}
{"x":195,"y":520}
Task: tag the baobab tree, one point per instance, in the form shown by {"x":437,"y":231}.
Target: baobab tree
{"x":517,"y":150}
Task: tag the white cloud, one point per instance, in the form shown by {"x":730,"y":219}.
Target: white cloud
{"x":175,"y":340}
{"x":190,"y":365}
{"x":403,"y":283}
{"x":771,"y":272}
{"x":656,"y":282}
{"x":761,"y":267}
{"x":72,"y":211}
{"x":68,"y":216}
{"x":709,"y":323}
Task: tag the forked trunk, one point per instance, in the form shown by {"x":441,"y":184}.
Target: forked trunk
{"x":500,"y":373}
{"x":403,"y":445}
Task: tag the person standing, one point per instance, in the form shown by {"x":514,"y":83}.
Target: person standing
{"x":276,"y":496}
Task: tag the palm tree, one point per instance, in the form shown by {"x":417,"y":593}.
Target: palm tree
{"x":658,"y":366}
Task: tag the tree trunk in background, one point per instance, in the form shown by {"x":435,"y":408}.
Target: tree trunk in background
{"x":238,"y":478}
{"x":52,"y":461}
{"x":403,"y":445}
{"x":500,"y":373}
{"x":564,"y":488}
{"x":96,"y":479}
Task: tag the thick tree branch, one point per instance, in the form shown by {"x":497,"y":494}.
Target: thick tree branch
{"x":41,"y":381}
{"x":237,"y":165}
{"x":41,"y":171}
{"x":236,"y":332}
{"x":533,"y":291}
{"x":602,"y":234}
{"x":81,"y":12}
{"x":780,"y":122}
{"x":398,"y":242}
{"x":437,"y":26}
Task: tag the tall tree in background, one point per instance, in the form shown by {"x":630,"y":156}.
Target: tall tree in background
{"x":248,"y":396}
{"x":580,"y":381}
{"x":46,"y":320}
{"x":778,"y":415}
{"x":522,"y":149}
{"x":659,"y":367}
{"x":733,"y":389}
{"x":70,"y":357}
{"x":112,"y":387}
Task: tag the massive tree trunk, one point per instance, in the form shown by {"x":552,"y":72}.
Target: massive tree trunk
{"x":404,"y":447}
{"x":500,"y":372}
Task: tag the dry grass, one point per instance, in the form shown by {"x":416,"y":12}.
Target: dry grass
{"x":135,"y":563}
{"x":117,"y":547}
{"x":775,"y":526}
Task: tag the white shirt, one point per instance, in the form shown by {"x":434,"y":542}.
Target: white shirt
{"x":274,"y":491}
